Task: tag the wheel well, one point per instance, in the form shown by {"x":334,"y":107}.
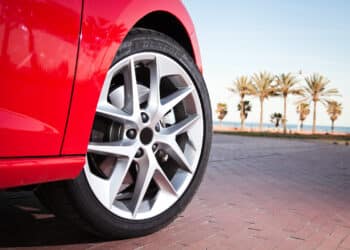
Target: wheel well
{"x":168,"y":24}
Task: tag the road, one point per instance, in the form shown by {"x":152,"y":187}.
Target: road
{"x":258,"y":193}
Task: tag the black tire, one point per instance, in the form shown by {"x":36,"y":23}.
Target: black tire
{"x":74,"y":200}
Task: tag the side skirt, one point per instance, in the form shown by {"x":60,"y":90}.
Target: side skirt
{"x":15,"y":172}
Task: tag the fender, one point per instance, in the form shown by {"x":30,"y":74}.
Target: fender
{"x":104,"y":27}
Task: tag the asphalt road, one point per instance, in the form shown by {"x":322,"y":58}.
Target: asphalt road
{"x":258,"y":193}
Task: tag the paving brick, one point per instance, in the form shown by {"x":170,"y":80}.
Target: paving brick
{"x":258,"y":193}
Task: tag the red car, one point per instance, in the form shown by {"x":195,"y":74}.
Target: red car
{"x":103,"y":110}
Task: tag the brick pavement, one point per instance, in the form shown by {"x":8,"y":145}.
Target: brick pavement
{"x":258,"y":193}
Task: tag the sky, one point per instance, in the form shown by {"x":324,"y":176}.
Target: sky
{"x":243,"y":37}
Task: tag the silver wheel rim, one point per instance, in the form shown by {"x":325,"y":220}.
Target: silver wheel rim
{"x":147,"y":137}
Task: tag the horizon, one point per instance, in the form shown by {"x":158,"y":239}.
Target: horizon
{"x":293,"y":126}
{"x":285,"y":37}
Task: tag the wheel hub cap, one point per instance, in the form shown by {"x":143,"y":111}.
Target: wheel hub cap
{"x":146,"y":136}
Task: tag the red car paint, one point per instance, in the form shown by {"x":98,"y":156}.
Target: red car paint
{"x":37,"y":70}
{"x":24,"y":171}
{"x":54,"y":58}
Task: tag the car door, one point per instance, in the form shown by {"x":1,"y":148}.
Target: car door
{"x":38,"y":52}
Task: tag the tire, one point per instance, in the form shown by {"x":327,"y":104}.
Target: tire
{"x":141,"y":207}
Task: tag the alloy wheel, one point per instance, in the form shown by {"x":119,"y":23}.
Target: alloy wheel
{"x":147,"y":136}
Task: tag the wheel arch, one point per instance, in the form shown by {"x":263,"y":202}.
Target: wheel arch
{"x":168,"y":24}
{"x":110,"y":24}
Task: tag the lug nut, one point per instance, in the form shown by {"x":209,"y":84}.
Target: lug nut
{"x":139,"y":153}
{"x":144,"y":117}
{"x":154,"y":147}
{"x":157,"y":128}
{"x":131,"y":133}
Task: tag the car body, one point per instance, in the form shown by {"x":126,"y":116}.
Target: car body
{"x":54,"y":59}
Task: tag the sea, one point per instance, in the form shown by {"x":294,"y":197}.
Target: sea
{"x":326,"y":129}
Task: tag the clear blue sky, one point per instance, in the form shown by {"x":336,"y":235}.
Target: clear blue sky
{"x":243,"y":37}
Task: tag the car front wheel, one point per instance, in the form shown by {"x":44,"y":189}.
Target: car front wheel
{"x":149,"y":144}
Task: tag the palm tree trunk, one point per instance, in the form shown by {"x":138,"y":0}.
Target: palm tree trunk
{"x":242,"y":113}
{"x":314,"y":119}
{"x":284,"y":119}
{"x":332,"y":126}
{"x":302,"y":125}
{"x":261,"y":113}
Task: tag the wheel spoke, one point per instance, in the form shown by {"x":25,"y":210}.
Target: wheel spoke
{"x":173,"y":149}
{"x":132,"y":103}
{"x":154,"y":94}
{"x":182,"y":126}
{"x":144,"y":177}
{"x":112,"y":148}
{"x":173,"y":99}
{"x":176,"y":153}
{"x":118,"y":175}
{"x":163,"y":181}
{"x":109,"y":111}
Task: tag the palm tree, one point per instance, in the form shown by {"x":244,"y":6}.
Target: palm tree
{"x":334,"y":110}
{"x":263,"y":88}
{"x":287,"y":85}
{"x":275,"y":118}
{"x":303,"y":109}
{"x":244,"y":109}
{"x":242,"y":86}
{"x":316,"y":91}
{"x":221,"y":111}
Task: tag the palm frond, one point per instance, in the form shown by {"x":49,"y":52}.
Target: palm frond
{"x":263,"y":85}
{"x":334,"y":109}
{"x":316,"y":88}
{"x":242,"y":86}
{"x":330,"y":92}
